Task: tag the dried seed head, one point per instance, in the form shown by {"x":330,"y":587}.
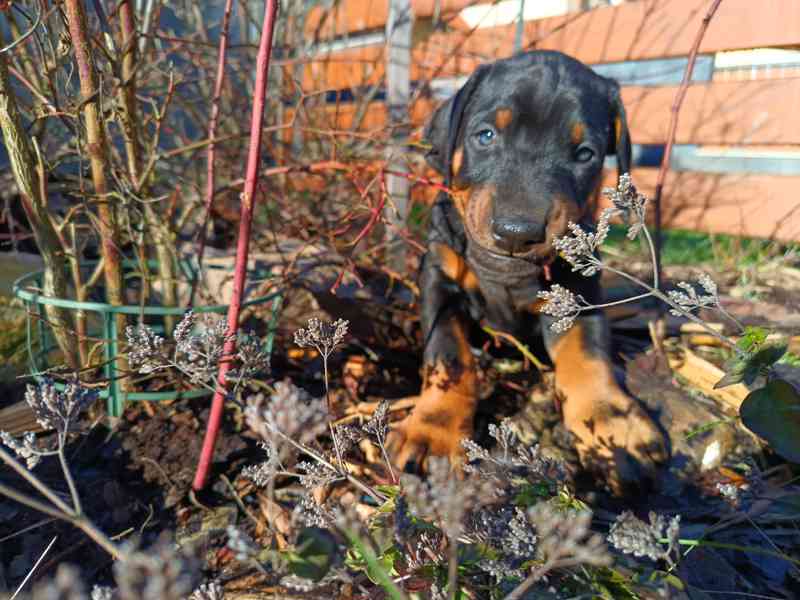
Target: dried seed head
{"x":163,"y":572}
{"x":689,"y":300}
{"x":321,"y":335}
{"x":56,"y":409}
{"x":511,"y":461}
{"x":580,"y":248}
{"x":209,"y":591}
{"x":199,"y":353}
{"x":378,"y":425}
{"x":629,"y":202}
{"x":241,"y":544}
{"x":565,"y":535}
{"x":444,"y":496}
{"x":25,"y":448}
{"x":146,"y":350}
{"x":67,"y":585}
{"x":631,"y":535}
{"x":561,"y":304}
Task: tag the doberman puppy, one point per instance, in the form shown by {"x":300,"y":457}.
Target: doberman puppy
{"x":521,"y":146}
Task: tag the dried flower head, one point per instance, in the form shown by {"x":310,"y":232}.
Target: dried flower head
{"x":289,"y":410}
{"x":209,"y":591}
{"x":56,"y":409}
{"x":346,"y":437}
{"x":146,"y":350}
{"x":315,"y":475}
{"x":629,"y":202}
{"x":103,"y":592}
{"x":67,"y":585}
{"x":444,"y":496}
{"x":198,"y":353}
{"x":162,"y":572}
{"x":378,"y":424}
{"x":507,"y":530}
{"x":25,"y":448}
{"x":289,"y":413}
{"x":689,"y":300}
{"x":580,"y":248}
{"x":564,"y":537}
{"x":730,"y":493}
{"x":631,"y":535}
{"x":513,"y":459}
{"x":241,"y":544}
{"x":561,"y":304}
{"x":321,"y":335}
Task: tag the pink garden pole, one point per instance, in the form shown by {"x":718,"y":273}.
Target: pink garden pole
{"x":240,"y":269}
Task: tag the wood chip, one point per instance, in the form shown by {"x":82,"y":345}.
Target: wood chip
{"x":703,"y":375}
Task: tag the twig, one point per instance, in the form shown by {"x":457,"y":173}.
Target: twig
{"x":25,"y":35}
{"x":673,"y":128}
{"x":212,"y":147}
{"x":34,"y":567}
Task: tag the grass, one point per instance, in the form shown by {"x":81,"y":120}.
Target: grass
{"x":683,"y":247}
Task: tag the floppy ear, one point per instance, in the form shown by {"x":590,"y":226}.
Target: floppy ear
{"x":445,"y":127}
{"x":435,"y":134}
{"x":620,"y":140}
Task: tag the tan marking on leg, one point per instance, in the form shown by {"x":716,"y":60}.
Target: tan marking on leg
{"x":444,"y":412}
{"x":503,"y":118}
{"x":614,"y":434}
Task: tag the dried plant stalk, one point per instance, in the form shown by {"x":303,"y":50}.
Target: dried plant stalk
{"x":160,"y":233}
{"x":98,"y":151}
{"x":34,"y":202}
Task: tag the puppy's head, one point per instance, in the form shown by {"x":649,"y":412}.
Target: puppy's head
{"x":522,"y":145}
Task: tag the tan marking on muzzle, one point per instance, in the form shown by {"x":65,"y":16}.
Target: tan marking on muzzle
{"x":478,"y":214}
{"x":458,"y":160}
{"x":455,"y":267}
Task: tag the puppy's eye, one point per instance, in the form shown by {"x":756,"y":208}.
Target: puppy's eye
{"x":485,"y":137}
{"x":584,"y":154}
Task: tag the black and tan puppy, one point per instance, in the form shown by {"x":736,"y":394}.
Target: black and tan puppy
{"x":522,"y":147}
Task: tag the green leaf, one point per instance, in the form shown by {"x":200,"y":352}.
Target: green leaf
{"x":773,"y":412}
{"x":746,"y":370}
{"x":315,"y":552}
{"x":375,"y":567}
{"x":752,"y":339}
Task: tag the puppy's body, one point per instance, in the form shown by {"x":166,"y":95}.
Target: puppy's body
{"x":521,"y":146}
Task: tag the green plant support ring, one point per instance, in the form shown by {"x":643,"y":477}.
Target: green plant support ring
{"x":26,"y":289}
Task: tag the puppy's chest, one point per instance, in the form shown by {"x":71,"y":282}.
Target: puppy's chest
{"x":504,"y":306}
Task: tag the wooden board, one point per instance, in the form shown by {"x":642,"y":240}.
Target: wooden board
{"x":719,"y":113}
{"x":739,"y":113}
{"x":639,"y":30}
{"x":751,"y":205}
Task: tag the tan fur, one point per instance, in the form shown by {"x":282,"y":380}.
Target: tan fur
{"x":503,"y":118}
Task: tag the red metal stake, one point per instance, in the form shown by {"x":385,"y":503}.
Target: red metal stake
{"x":240,"y":268}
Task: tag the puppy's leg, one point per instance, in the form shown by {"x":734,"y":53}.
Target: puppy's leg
{"x":614,"y":434}
{"x":444,"y":413}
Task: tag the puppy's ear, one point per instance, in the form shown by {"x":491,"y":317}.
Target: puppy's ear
{"x":619,"y":142}
{"x":435,"y":134}
{"x":444,"y":129}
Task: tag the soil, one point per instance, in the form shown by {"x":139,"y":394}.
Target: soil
{"x":135,"y":475}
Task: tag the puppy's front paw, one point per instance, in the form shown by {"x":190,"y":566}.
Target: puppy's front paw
{"x":436,"y":426}
{"x":616,"y":438}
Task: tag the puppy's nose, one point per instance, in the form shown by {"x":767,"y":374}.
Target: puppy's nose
{"x":517,"y":235}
